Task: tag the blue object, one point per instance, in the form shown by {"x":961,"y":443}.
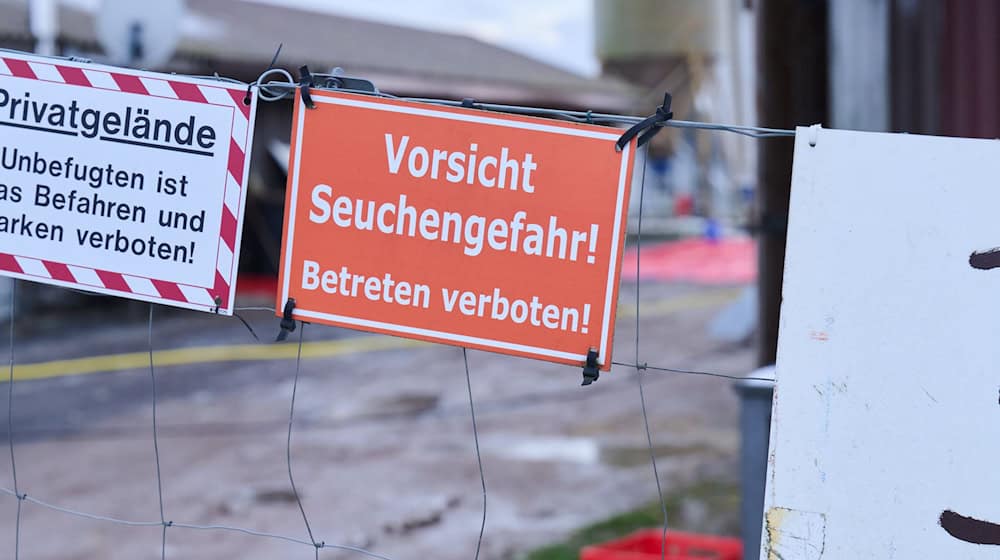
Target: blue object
{"x":712,"y":230}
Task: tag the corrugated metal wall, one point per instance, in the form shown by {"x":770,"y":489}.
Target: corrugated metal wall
{"x":970,"y":68}
{"x":946,"y":67}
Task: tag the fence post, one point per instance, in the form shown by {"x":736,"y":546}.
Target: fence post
{"x":755,"y":429}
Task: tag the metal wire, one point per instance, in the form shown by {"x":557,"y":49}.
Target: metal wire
{"x":316,"y":546}
{"x":479,"y":456}
{"x":278,"y":90}
{"x":10,"y":386}
{"x":254,"y":308}
{"x":156,"y":442}
{"x":81,"y":514}
{"x":129,"y":523}
{"x":281,"y":537}
{"x":217,"y":78}
{"x":639,"y":372}
{"x":607,"y":118}
{"x":10,"y":423}
{"x":272,"y":90}
{"x":288,"y":441}
{"x":250,"y":532}
{"x":53,"y":56}
{"x":17,"y":526}
{"x":351,"y":549}
{"x":503,"y":405}
{"x":265,"y":89}
{"x":287,"y":89}
{"x":644,"y":366}
{"x":247,"y":325}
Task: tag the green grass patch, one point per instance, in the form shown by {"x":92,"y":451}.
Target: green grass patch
{"x":717,"y":503}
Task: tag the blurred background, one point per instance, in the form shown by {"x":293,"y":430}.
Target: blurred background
{"x":383,"y":450}
{"x":614,"y":57}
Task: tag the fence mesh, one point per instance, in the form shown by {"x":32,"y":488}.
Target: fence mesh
{"x":22,"y":496}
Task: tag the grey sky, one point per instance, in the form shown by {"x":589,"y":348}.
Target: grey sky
{"x":559,"y":32}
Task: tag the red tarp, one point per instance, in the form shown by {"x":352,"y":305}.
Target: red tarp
{"x":697,"y":260}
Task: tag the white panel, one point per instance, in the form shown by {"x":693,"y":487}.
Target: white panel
{"x":159,"y":88}
{"x":232,"y":197}
{"x":141,"y":285}
{"x":196,"y":295}
{"x":225,"y":262}
{"x":46,"y":72}
{"x":886,"y":413}
{"x":101,"y":80}
{"x":85,"y":276}
{"x":131,"y":186}
{"x":34,"y":267}
{"x":220,"y":96}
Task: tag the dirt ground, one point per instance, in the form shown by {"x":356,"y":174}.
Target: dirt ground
{"x":382,"y":449}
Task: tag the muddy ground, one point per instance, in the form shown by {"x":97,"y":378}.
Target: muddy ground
{"x":382,"y":449}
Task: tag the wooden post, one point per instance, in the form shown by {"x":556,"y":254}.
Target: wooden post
{"x":792,"y":90}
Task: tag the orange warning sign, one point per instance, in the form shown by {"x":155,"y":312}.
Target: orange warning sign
{"x":455,"y":225}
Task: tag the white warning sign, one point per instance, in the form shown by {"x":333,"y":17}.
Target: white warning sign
{"x":123,"y":182}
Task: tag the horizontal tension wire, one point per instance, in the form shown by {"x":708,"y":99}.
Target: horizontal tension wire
{"x":128,"y":523}
{"x":576,"y":116}
{"x":277,"y":90}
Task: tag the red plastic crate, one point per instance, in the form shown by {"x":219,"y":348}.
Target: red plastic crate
{"x":645,"y":545}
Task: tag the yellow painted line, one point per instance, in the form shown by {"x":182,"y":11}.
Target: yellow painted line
{"x":689,"y":302}
{"x":211,"y":354}
{"x":322,"y":349}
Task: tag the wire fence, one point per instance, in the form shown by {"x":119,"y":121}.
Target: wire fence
{"x":169,"y":526}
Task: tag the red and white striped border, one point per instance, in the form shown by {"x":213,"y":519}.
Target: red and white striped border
{"x":219,"y":296}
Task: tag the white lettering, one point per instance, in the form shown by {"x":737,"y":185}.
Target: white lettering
{"x":395,"y":156}
{"x":321,"y":204}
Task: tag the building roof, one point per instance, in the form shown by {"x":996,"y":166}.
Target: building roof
{"x":238,"y":39}
{"x":14,"y":23}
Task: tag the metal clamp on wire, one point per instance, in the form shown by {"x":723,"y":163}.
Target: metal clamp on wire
{"x":287,"y":321}
{"x":274,"y":59}
{"x":306,"y":82}
{"x":590,"y":370}
{"x":648,"y":126}
{"x":337,"y":80}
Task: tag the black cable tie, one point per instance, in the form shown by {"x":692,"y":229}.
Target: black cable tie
{"x":648,"y":126}
{"x":218,"y":304}
{"x":306,"y":82}
{"x":590,"y":370}
{"x":590,"y":116}
{"x":287,"y":321}
{"x":469,"y":103}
